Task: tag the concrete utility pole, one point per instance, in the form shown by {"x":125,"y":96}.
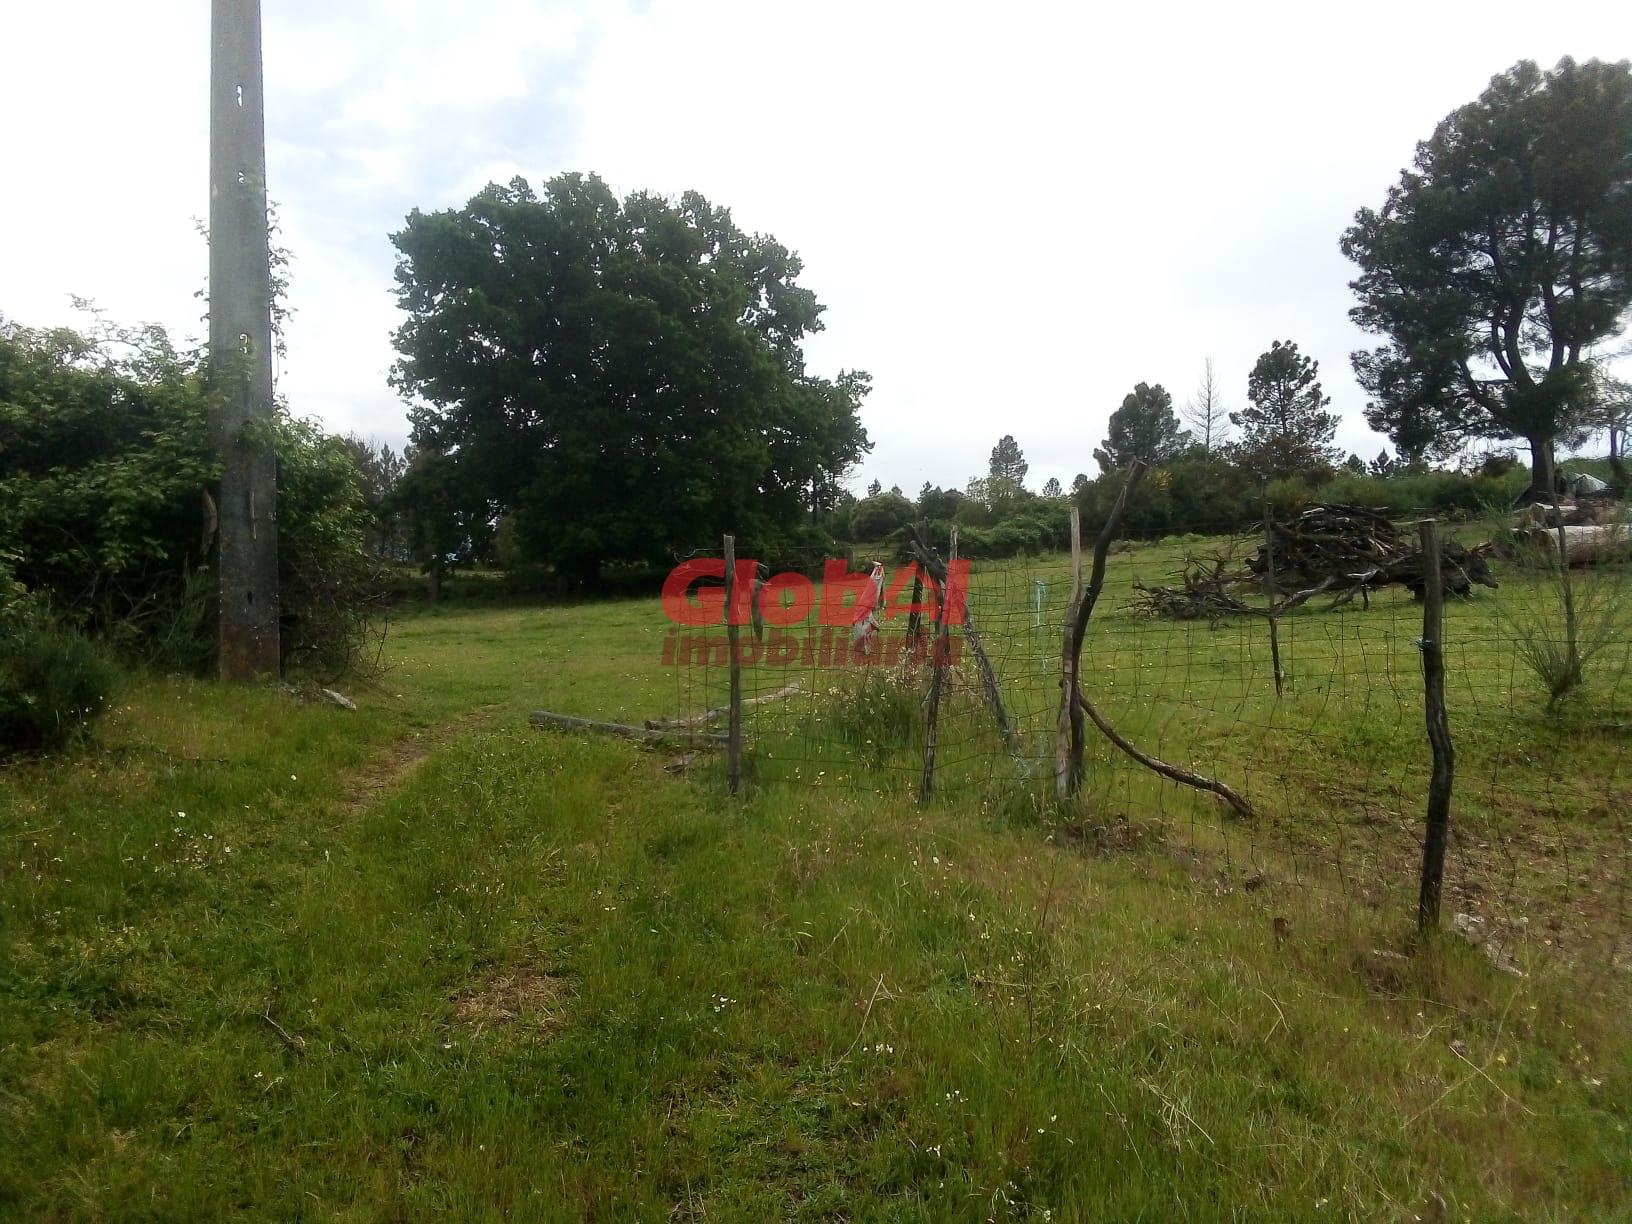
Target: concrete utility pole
{"x":241,"y":347}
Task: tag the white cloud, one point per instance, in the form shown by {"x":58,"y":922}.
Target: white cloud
{"x":1012,"y":213}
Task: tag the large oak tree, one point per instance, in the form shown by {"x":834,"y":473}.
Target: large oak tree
{"x":625,"y":378}
{"x":1499,"y":261}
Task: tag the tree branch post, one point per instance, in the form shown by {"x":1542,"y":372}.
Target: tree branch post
{"x":733,"y":742}
{"x":939,"y":571}
{"x":939,"y":655}
{"x":1077,"y":622}
{"x":1439,"y":731}
{"x":1274,"y":593}
{"x":1069,"y":732}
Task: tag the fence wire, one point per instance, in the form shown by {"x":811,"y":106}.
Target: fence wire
{"x":1335,"y":764}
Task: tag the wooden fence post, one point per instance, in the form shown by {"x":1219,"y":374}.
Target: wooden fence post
{"x":939,"y":651}
{"x":1439,"y":730}
{"x":915,"y":619}
{"x":1077,"y":623}
{"x":1068,"y":734}
{"x":1274,"y":593}
{"x":733,"y":741}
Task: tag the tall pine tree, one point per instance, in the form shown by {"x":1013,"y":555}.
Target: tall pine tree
{"x":1285,"y":428}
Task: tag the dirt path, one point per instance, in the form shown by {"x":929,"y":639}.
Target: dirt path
{"x":394,"y":764}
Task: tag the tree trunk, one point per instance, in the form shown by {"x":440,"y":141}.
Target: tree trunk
{"x":433,"y":584}
{"x":1541,"y":470}
{"x":1617,"y":465}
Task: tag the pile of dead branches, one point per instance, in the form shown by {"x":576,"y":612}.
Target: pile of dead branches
{"x":1325,"y":541}
{"x":1342,"y":550}
{"x":1202,"y":590}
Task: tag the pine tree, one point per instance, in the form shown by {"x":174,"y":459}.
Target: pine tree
{"x":1285,"y":429}
{"x":1008,"y":464}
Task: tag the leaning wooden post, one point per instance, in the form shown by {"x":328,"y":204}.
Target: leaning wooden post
{"x":1078,"y":623}
{"x":915,"y":619}
{"x":1068,"y":736}
{"x":1439,"y":730}
{"x":939,"y":653}
{"x":1273,"y":588}
{"x":733,"y":741}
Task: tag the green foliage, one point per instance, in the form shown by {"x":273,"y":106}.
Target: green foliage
{"x":332,"y":588}
{"x":938,"y":505}
{"x":877,"y":516}
{"x":625,"y":376}
{"x":104,"y":459}
{"x":1405,"y":493}
{"x":1144,"y":427}
{"x":1499,"y":260}
{"x":15,"y":601}
{"x":1285,"y":429}
{"x":382,"y":471}
{"x":105,"y":469}
{"x":1008,"y":465}
{"x":54,"y":685}
{"x":1195,"y":491}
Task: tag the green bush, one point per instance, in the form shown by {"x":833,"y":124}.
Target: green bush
{"x":877,"y":516}
{"x":105,"y":460}
{"x":54,"y":685}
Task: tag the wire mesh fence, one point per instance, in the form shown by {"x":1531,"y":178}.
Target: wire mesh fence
{"x":1315,"y":716}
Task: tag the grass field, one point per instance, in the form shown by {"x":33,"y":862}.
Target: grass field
{"x":291,"y":961}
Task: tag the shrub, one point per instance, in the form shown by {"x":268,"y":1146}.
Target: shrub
{"x":104,"y":462}
{"x":1575,"y":615}
{"x":54,"y":684}
{"x":332,"y":589}
{"x":875,"y":517}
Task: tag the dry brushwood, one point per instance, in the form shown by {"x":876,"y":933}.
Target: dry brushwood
{"x":1202,"y":591}
{"x":1348,"y":550}
{"x":1325,"y":541}
{"x":1460,"y":569}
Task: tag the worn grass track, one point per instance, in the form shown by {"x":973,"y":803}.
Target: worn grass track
{"x":538,"y":976}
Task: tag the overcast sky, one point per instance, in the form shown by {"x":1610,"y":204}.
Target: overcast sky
{"x":1012,"y":213}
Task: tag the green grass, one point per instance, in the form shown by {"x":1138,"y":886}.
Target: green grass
{"x":423,"y":960}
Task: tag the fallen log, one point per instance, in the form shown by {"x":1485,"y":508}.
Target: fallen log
{"x":708,"y":716}
{"x":1584,"y":544}
{"x":571,"y":722}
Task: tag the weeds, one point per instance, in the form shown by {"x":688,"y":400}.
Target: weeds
{"x":879,"y":711}
{"x":1575,"y":615}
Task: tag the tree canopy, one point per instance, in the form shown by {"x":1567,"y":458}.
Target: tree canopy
{"x":1499,"y":260}
{"x":1008,"y":464}
{"x":623,"y":377}
{"x":1285,"y":428}
{"x":1144,"y":427}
